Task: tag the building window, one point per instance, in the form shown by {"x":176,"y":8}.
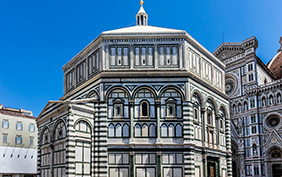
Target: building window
{"x":271,"y":100}
{"x":70,"y":80}
{"x":253,"y":119}
{"x":170,"y":107}
{"x":5,"y":124}
{"x":144,"y":109}
{"x":251,"y":77}
{"x":145,"y":131}
{"x":254,"y":130}
{"x":5,"y":138}
{"x":263,"y":102}
{"x":18,"y":140}
{"x":256,"y":170}
{"x":118,"y":108}
{"x":80,"y":72}
{"x":31,"y":141}
{"x":276,"y":154}
{"x":19,"y":126}
{"x":93,"y":63}
{"x":221,"y":123}
{"x":31,"y":128}
{"x":209,"y":117}
{"x":248,"y":170}
{"x":252,"y":103}
{"x":171,"y":131}
{"x":250,"y":67}
{"x":195,"y":114}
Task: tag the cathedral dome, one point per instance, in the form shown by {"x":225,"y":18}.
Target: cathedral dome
{"x":275,"y":64}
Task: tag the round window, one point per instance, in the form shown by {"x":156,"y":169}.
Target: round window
{"x":273,"y":121}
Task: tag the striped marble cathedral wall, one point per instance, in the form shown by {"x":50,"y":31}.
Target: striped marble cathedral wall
{"x":87,"y":150}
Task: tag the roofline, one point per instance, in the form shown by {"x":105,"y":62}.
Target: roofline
{"x":16,"y":115}
{"x":271,"y":61}
{"x":66,"y":102}
{"x":181,"y":34}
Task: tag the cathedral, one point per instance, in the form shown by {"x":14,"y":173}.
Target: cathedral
{"x":255,"y":91}
{"x":146,"y":101}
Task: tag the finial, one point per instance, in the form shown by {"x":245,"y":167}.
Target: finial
{"x":141,"y":2}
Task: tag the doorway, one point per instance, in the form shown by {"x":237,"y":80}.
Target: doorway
{"x":277,"y":170}
{"x":211,"y":169}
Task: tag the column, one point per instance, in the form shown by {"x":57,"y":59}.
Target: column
{"x":159,"y":172}
{"x":131,"y":48}
{"x":156,"y":63}
{"x":131,"y":116}
{"x":203,"y":110}
{"x":158,"y":114}
{"x":131,"y":163}
{"x":205,"y":164}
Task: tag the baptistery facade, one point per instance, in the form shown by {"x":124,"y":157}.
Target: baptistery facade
{"x":140,"y":101}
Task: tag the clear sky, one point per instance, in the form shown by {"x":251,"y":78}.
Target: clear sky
{"x":38,"y":37}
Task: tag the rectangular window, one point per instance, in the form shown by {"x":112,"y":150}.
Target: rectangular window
{"x":18,"y":140}
{"x":80,"y":72}
{"x":251,"y":77}
{"x":19,"y":126}
{"x":31,"y":128}
{"x":5,"y":124}
{"x":253,"y":119}
{"x":248,"y":170}
{"x":254,"y":130}
{"x":31,"y":141}
{"x":209,"y":117}
{"x":252,"y":103}
{"x":250,"y":67}
{"x":256,"y":170}
{"x":70,"y":80}
{"x":5,"y":138}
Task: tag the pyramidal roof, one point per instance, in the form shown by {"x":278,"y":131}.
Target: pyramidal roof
{"x":142,"y":29}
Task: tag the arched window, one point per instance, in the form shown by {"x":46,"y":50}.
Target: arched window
{"x":60,"y":131}
{"x":276,"y":154}
{"x":45,"y":137}
{"x":245,"y":106}
{"x":263,"y":102}
{"x":125,"y":131}
{"x":234,"y":109}
{"x":118,"y":108}
{"x":178,"y":131}
{"x":271,"y":100}
{"x":83,"y":126}
{"x":137,"y":130}
{"x":144,"y":109}
{"x":278,"y":98}
{"x":239,"y":107}
{"x":145,"y":130}
{"x":111,"y":130}
{"x":164,"y":130}
{"x":118,"y":130}
{"x":171,"y":107}
{"x":152,"y":130}
{"x":171,"y":130}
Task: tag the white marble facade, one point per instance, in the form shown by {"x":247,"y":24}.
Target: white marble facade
{"x":140,"y":101}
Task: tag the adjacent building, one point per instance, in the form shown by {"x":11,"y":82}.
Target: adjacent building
{"x":18,"y":143}
{"x":140,"y":101}
{"x":255,"y":91}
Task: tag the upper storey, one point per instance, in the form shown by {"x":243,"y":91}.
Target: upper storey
{"x":143,"y":48}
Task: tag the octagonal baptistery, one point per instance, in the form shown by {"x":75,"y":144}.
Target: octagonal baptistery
{"x":140,"y":101}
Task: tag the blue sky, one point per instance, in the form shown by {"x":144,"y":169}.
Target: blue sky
{"x":38,"y":37}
